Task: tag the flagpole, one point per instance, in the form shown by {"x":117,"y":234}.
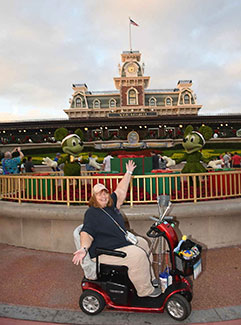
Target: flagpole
{"x":130,"y":34}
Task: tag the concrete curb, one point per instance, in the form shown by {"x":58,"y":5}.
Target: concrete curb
{"x":50,"y":227}
{"x":63,"y":316}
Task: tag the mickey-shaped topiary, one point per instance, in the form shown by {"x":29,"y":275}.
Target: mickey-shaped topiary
{"x":71,"y":144}
{"x":193,"y":142}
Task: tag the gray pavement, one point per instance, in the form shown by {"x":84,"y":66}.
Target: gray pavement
{"x":61,"y":316}
{"x":42,"y":286}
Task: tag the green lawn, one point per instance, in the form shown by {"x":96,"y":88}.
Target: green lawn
{"x":38,"y":158}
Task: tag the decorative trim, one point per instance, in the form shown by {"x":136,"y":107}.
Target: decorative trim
{"x":68,"y":137}
{"x":200,"y":135}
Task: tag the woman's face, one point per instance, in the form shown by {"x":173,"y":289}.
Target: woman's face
{"x":102,"y":198}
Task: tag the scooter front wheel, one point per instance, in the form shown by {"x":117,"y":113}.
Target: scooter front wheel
{"x":178,"y":307}
{"x":91,"y":302}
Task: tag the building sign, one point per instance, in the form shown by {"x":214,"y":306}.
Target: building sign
{"x":132,"y":114}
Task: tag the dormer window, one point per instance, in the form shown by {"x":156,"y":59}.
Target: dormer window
{"x":78,"y":102}
{"x":187,"y":99}
{"x":152,"y":101}
{"x":168,"y":101}
{"x":132,"y":97}
{"x":96,"y":103}
{"x":112,"y":103}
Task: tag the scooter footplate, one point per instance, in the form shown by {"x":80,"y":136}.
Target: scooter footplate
{"x":147,"y":302}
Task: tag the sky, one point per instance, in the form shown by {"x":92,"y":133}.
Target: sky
{"x":48,"y":45}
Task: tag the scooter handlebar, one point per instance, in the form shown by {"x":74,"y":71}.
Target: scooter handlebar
{"x":154,"y":232}
{"x":168,"y":218}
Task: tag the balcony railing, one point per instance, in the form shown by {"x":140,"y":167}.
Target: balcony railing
{"x":143,"y":188}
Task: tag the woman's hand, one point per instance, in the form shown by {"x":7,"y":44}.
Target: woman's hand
{"x":130,"y":166}
{"x":78,"y":256}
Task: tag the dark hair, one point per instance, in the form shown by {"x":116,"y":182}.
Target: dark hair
{"x":29,"y":158}
{"x":94,"y":203}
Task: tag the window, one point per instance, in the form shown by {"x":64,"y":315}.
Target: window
{"x":153,"y":133}
{"x":96,"y":103}
{"x":186,"y":99}
{"x":78,"y":102}
{"x":168,"y":101}
{"x":97,"y":133}
{"x":152,"y":101}
{"x":112,"y":102}
{"x":113,"y":133}
{"x":132,"y":97}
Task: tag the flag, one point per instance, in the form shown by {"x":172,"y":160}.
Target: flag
{"x":133,"y":23}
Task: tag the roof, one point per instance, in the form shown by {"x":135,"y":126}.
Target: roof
{"x":184,"y":81}
{"x":161,"y":90}
{"x":80,"y":85}
{"x":127,"y":52}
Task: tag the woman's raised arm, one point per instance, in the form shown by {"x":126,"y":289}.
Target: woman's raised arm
{"x":122,"y":187}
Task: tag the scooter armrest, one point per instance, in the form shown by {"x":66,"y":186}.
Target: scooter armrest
{"x":100,"y":251}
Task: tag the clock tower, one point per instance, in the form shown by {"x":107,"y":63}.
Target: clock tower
{"x":132,"y":81}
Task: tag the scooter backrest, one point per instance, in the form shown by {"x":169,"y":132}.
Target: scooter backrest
{"x":76,"y":235}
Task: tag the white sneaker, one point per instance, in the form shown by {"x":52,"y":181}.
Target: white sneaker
{"x":155,"y":293}
{"x":155,"y":283}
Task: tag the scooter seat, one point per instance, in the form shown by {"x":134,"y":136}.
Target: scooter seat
{"x":108,"y":268}
{"x":113,"y":273}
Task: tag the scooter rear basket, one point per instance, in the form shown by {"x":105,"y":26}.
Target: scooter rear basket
{"x":184,"y":266}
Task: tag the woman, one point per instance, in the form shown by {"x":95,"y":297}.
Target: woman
{"x":99,"y":230}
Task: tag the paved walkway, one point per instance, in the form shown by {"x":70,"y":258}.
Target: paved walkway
{"x":45,"y":286}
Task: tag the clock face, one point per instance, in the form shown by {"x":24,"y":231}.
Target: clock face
{"x":131,"y":69}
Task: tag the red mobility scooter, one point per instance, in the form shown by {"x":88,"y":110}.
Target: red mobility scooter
{"x":113,"y":289}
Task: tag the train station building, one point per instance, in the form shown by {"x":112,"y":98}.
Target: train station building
{"x":131,"y":111}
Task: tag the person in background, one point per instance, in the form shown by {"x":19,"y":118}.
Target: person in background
{"x":10,"y":164}
{"x":22,"y":167}
{"x":162,"y":163}
{"x":226,"y":160}
{"x":107,"y":163}
{"x":236,"y":160}
{"x":56,"y":169}
{"x":155,"y":160}
{"x":230,"y":161}
{"x":104,"y":227}
{"x":1,"y":157}
{"x":88,"y":165}
{"x":92,"y":163}
{"x":29,"y":167}
{"x":219,"y":162}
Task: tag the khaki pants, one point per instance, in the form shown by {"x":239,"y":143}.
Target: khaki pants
{"x":140,"y":269}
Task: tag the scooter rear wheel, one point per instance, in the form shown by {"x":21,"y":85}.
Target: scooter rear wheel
{"x":91,"y":302}
{"x":178,"y":307}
